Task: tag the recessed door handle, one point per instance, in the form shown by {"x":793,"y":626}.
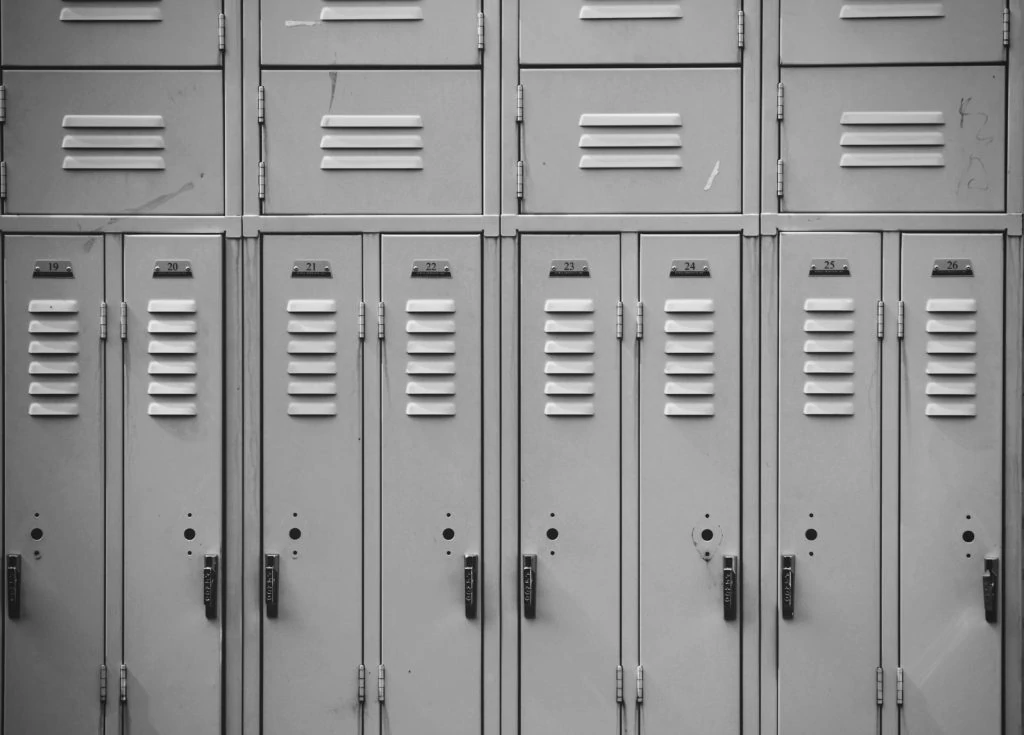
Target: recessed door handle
{"x":14,"y":586}
{"x":529,"y":586}
{"x":469,"y":570}
{"x":211,"y":566}
{"x":990,"y":589}
{"x":271,"y":582}
{"x":730,"y":580}
{"x":788,"y":586}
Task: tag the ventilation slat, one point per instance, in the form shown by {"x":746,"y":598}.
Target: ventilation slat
{"x":569,"y":388}
{"x":569,"y":326}
{"x":163,"y":347}
{"x":63,"y":326}
{"x":829,"y":346}
{"x":567,"y":409}
{"x":952,"y":410}
{"x":828,"y":367}
{"x":53,"y":410}
{"x":430,"y":347}
{"x":569,"y":306}
{"x":326,"y":408}
{"x":312,"y":306}
{"x":53,"y":306}
{"x":692,"y":409}
{"x":163,"y":326}
{"x":842,"y":305}
{"x":695,"y":326}
{"x":312,"y":347}
{"x":178,"y":367}
{"x":966,"y":388}
{"x":690,"y":367}
{"x":631,"y":11}
{"x":423,"y":326}
{"x":890,"y":10}
{"x":312,"y":388}
{"x":312,"y":367}
{"x":689,"y":306}
{"x":189,"y":388}
{"x":685,"y":388}
{"x":631,"y":161}
{"x":959,"y":367}
{"x":431,"y":367}
{"x":53,"y":367}
{"x":172,"y":410}
{"x":689,"y":347}
{"x":172,"y":306}
{"x":52,"y":347}
{"x":427,"y":388}
{"x":819,"y":408}
{"x":428,"y":410}
{"x":569,"y":367}
{"x":829,"y":325}
{"x":55,"y":388}
{"x":952,"y":347}
{"x":120,"y":13}
{"x":570,"y":347}
{"x":951,"y":306}
{"x":312,"y":326}
{"x":951,"y":326}
{"x":835,"y":388}
{"x":430,"y":306}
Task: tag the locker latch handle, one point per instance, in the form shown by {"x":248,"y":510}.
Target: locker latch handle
{"x":990,"y":589}
{"x":469,"y":570}
{"x":211,"y":564}
{"x":14,"y":586}
{"x":529,"y":586}
{"x":730,"y":574}
{"x":271,"y":581}
{"x":788,"y":586}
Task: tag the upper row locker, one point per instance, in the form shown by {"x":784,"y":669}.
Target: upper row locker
{"x":891,"y":31}
{"x":150,"y":33}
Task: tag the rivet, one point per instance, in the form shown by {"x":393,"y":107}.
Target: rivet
{"x":846,"y":267}
{"x":415,"y":268}
{"x":156,"y":269}
{"x":188,"y":269}
{"x":37,"y":269}
{"x":707,"y":269}
{"x":674,"y":269}
{"x":68,"y":269}
{"x":295,"y":269}
{"x":447,"y":269}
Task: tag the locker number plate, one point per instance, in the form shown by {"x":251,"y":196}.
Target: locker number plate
{"x":311,"y":269}
{"x":830,"y":267}
{"x":172,"y":269}
{"x":431,"y":269}
{"x":53,"y":269}
{"x":569,"y":269}
{"x":690,"y":268}
{"x":952,"y":267}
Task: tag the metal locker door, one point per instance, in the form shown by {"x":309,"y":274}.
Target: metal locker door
{"x":432,"y":481}
{"x":53,"y":484}
{"x":373,"y":142}
{"x":370,"y":33}
{"x":951,"y":484}
{"x":570,"y":488}
{"x":874,"y":32}
{"x":690,"y":482}
{"x":913,"y":139}
{"x":829,"y":482}
{"x":114,"y":142}
{"x":602,"y":32}
{"x":631,"y":140}
{"x":173,"y":494}
{"x":312,"y":483}
{"x":63,"y":33}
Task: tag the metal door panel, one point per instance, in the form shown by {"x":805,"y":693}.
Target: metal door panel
{"x":54,"y":482}
{"x":370,"y":33}
{"x":312,"y":481}
{"x":431,"y":413}
{"x":689,"y":480}
{"x":874,"y":32}
{"x":629,"y":32}
{"x":112,"y":142}
{"x":637,"y":141}
{"x":924,"y":139}
{"x":951,"y":474}
{"x":373,"y":142}
{"x":569,"y":482}
{"x":173,"y":469}
{"x":63,"y":33}
{"x":829,"y":479}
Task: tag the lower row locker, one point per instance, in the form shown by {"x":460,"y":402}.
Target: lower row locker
{"x":570,"y":485}
{"x":829,"y":482}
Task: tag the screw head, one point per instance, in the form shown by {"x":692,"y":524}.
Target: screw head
{"x":935,"y":268}
{"x":188,"y":269}
{"x":447,"y":269}
{"x":327,"y":269}
{"x":415,"y":268}
{"x":846,"y":267}
{"x":707,"y":269}
{"x":295,"y":269}
{"x":968,"y":268}
{"x":674,"y":269}
{"x":156,"y":269}
{"x":36,"y":269}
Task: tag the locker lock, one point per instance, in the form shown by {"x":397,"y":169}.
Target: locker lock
{"x":529,"y":586}
{"x":730,"y":575}
{"x":210,"y":569}
{"x":14,"y":586}
{"x":469,"y":570}
{"x":990,"y":589}
{"x":788,"y":586}
{"x":271,"y":575}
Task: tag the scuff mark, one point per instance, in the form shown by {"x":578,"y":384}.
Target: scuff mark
{"x":301,"y":23}
{"x":975,"y":176}
{"x":713,"y":176}
{"x":334,"y":88}
{"x":160,"y":200}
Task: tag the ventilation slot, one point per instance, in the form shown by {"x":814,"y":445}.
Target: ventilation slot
{"x":372,"y":143}
{"x":364,"y":10}
{"x":114,"y":143}
{"x":570,"y":346}
{"x":892,"y":140}
{"x":173,"y":349}
{"x":53,"y":348}
{"x":829,"y":366}
{"x":884,"y":10}
{"x":430,"y":364}
{"x":690,"y":363}
{"x":631,"y":10}
{"x":951,"y":386}
{"x":631,"y":141}
{"x":312,"y":357}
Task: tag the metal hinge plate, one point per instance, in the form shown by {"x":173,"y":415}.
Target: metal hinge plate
{"x":480,"y":31}
{"x":221,"y":32}
{"x":881,"y":325}
{"x":618,"y":320}
{"x":899,"y":687}
{"x":899,"y":320}
{"x":879,"y":688}
{"x":261,"y":104}
{"x":123,"y":319}
{"x":124,"y":683}
{"x":103,"y":320}
{"x":780,"y":102}
{"x":619,"y":698}
{"x":380,"y":320}
{"x":362,"y":322}
{"x":741,"y":31}
{"x":3,"y":179}
{"x":779,"y":168}
{"x":639,"y":320}
{"x":519,"y":179}
{"x":639,"y":684}
{"x":3,"y":104}
{"x":362,"y":684}
{"x":103,"y":683}
{"x":380,"y":683}
{"x":519,"y":103}
{"x":261,"y":184}
{"x":1006,"y":27}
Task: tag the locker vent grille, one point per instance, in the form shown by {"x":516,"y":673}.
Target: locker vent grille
{"x":570,"y":348}
{"x":114,"y":142}
{"x":892,"y":140}
{"x":173,"y":348}
{"x":951,"y":368}
{"x":372,"y":143}
{"x":53,"y":366}
{"x":829,"y":328}
{"x":884,"y":9}
{"x":430,"y":346}
{"x":690,"y":361}
{"x":104,"y":11}
{"x":312,"y":361}
{"x":378,"y":10}
{"x":631,"y":10}
{"x":631,"y":141}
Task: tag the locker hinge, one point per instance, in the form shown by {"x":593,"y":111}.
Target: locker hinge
{"x":103,"y":683}
{"x":3,"y":179}
{"x":222,"y":34}
{"x":124,"y":683}
{"x":362,"y":322}
{"x":103,"y":320}
{"x":741,"y":30}
{"x":519,"y":103}
{"x":380,"y":683}
{"x":881,"y":325}
{"x":124,"y":320}
{"x":618,"y":320}
{"x":618,"y":684}
{"x":519,"y":179}
{"x":362,"y":684}
{"x":261,"y":183}
{"x":639,"y":684}
{"x":779,"y":168}
{"x":899,"y":320}
{"x":780,"y":102}
{"x":261,"y":105}
{"x":1006,"y":27}
{"x":879,"y":688}
{"x":899,"y":687}
{"x":3,"y":104}
{"x":639,"y":320}
{"x":480,"y":31}
{"x":380,"y":321}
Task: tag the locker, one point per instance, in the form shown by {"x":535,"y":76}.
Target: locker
{"x":829,"y":461}
{"x":62,"y":33}
{"x":634,"y":141}
{"x":570,"y":490}
{"x":370,"y":33}
{"x":879,"y":32}
{"x":312,"y":482}
{"x":951,"y":487}
{"x":173,"y":474}
{"x":112,"y":142}
{"x":53,"y":483}
{"x":916,"y":139}
{"x":431,"y":414}
{"x":690,"y":482}
{"x":629,"y":32}
{"x":373,"y":142}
